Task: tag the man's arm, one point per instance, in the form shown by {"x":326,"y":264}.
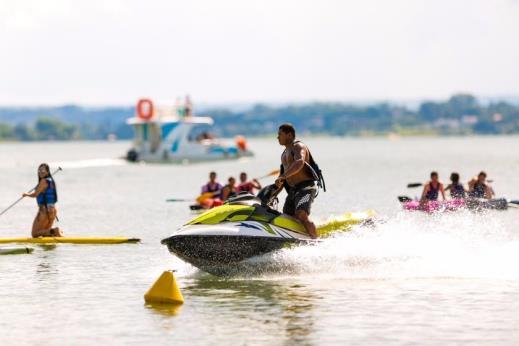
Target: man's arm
{"x":256,"y":184}
{"x":489,"y":192}
{"x":471,"y":184}
{"x":225,"y":193}
{"x":424,"y":192}
{"x":297,"y":164}
{"x":442,"y":191}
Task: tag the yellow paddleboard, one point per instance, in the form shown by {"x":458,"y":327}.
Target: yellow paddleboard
{"x":69,"y":240}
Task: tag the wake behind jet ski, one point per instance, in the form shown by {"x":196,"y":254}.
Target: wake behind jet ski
{"x":244,"y":227}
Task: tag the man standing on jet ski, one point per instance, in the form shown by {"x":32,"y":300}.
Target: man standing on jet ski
{"x":299,"y":173}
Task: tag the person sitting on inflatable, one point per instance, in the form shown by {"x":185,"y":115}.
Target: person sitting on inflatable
{"x":478,"y":187}
{"x":229,"y":190}
{"x":248,"y":186}
{"x":456,"y":190}
{"x":211,"y":193}
{"x":432,"y":189}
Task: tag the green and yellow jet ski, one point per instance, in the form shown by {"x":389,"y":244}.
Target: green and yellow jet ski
{"x":245,"y":227}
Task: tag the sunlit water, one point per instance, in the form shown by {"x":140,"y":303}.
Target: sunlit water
{"x":414,"y":279}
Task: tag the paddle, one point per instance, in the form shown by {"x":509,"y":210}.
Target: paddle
{"x":274,"y":172}
{"x":19,"y":199}
{"x":411,"y":185}
{"x":207,"y":195}
{"x":403,"y":199}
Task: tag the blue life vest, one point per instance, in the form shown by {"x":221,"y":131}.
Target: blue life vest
{"x":50,"y":195}
{"x":457,"y":191}
{"x":432,"y":194}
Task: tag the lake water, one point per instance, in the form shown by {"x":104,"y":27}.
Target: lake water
{"x":415,"y":279}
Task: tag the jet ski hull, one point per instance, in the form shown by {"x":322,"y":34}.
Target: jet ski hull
{"x":207,"y":251}
{"x":214,"y":246}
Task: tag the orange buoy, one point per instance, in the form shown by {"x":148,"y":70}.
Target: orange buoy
{"x":145,"y":109}
{"x":241,"y":142}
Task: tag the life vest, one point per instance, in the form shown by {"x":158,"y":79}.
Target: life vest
{"x":432,"y":194}
{"x":247,"y":186}
{"x":316,"y":172}
{"x":216,"y":187}
{"x":211,"y":187}
{"x":457,"y":191}
{"x":50,"y":195}
{"x":479,"y":190}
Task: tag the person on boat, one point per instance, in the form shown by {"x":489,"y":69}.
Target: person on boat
{"x":188,"y":107}
{"x":432,"y":189}
{"x":478,"y":187}
{"x":46,"y":196}
{"x":456,"y":190}
{"x":298,"y":177}
{"x":248,"y":186}
{"x":229,"y":190}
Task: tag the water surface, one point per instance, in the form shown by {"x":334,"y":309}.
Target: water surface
{"x":415,"y":279}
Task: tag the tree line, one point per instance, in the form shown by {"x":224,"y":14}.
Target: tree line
{"x":461,"y":114}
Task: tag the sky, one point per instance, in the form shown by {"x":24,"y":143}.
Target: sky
{"x":113,"y":52}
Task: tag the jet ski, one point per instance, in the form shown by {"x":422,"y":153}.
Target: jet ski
{"x":244,"y":227}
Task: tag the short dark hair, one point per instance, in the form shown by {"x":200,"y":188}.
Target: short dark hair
{"x":288,"y":128}
{"x":434,"y":173}
{"x":212,"y":173}
{"x":455,"y":177}
{"x":482,"y":173}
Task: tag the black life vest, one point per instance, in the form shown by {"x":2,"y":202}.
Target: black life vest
{"x":316,"y":172}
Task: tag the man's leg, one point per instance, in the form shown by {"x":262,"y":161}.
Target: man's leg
{"x":303,"y":216}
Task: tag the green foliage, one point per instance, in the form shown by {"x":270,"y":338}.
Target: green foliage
{"x":461,"y":114}
{"x":6,"y":132}
{"x":48,"y":128}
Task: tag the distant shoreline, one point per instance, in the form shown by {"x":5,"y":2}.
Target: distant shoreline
{"x":460,"y":115}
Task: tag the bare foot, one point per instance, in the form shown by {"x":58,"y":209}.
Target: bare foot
{"x":56,"y":232}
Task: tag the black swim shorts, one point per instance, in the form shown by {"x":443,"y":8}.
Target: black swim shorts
{"x":300,"y":197}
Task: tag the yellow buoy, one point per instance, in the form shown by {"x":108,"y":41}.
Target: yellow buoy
{"x":165,"y":290}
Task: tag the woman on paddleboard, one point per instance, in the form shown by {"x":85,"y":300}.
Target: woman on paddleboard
{"x":46,"y":196}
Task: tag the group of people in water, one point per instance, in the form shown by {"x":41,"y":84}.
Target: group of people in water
{"x":478,"y":187}
{"x":222,"y":193}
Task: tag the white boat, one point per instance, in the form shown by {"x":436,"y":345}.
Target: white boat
{"x":171,"y":135}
